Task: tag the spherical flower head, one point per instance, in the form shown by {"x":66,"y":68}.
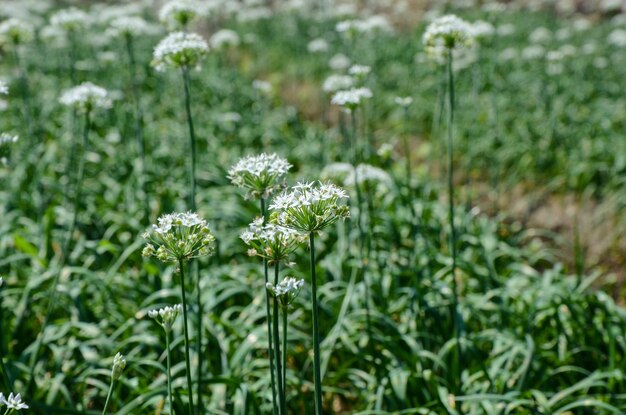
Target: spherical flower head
{"x":70,"y":20}
{"x":403,"y":102}
{"x":351,"y":98}
{"x":4,"y":88}
{"x":179,"y":237}
{"x":271,"y":241}
{"x":16,"y":31}
{"x":12,"y":402}
{"x":166,"y":316}
{"x":318,"y":45}
{"x":261,"y":174}
{"x":286,"y":291}
{"x":310,"y":207}
{"x":128,"y":26}
{"x":336,"y":83}
{"x":179,"y":49}
{"x":339,"y":62}
{"x":119,"y":363}
{"x":177,"y":14}
{"x":86,"y":97}
{"x":482,"y":30}
{"x":223,"y":39}
{"x":359,"y":71}
{"x":447,"y":34}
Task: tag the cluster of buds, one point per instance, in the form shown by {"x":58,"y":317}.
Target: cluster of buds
{"x":286,"y":291}
{"x":166,"y":316}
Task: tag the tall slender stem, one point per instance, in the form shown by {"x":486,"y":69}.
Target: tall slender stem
{"x":317,"y":373}
{"x":192,"y":139}
{"x":285,"y":356}
{"x":138,"y":127}
{"x":52,"y":292}
{"x":106,"y":403}
{"x":192,"y":206}
{"x":269,"y":322}
{"x":279,"y":377}
{"x":169,"y":371}
{"x":181,"y":264}
{"x":453,"y":236}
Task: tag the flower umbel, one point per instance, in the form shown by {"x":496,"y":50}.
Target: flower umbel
{"x":351,"y":98}
{"x":447,"y":34}
{"x":86,"y":97}
{"x":179,"y":237}
{"x":262,"y":174}
{"x":270,"y":241}
{"x":16,"y":31}
{"x":308,"y":207}
{"x":166,"y":316}
{"x":287,"y":290}
{"x":176,"y":14}
{"x":179,"y":49}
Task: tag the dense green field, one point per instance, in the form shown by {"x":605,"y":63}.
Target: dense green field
{"x":415,"y":316}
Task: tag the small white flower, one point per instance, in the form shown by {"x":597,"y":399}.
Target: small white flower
{"x":179,"y":49}
{"x":16,"y":31}
{"x":403,"y":101}
{"x":339,"y":62}
{"x":224,"y":38}
{"x":287,"y":290}
{"x":318,"y":45}
{"x":482,"y":30}
{"x":351,"y":98}
{"x":4,"y":88}
{"x":86,"y":97}
{"x":336,"y":83}
{"x":124,"y":26}
{"x":177,"y":14}
{"x":71,"y":19}
{"x":447,"y":34}
{"x":13,"y":402}
{"x":359,"y":71}
{"x":167,"y":315}
{"x":261,"y":174}
{"x":262,"y":86}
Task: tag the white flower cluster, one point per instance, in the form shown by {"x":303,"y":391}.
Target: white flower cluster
{"x":167,"y":315}
{"x":365,"y":174}
{"x":262,"y":86}
{"x":4,"y":88}
{"x":16,"y":31}
{"x":86,"y":97}
{"x":179,"y":237}
{"x":176,"y":14}
{"x":309,"y":208}
{"x":6,"y":140}
{"x":403,"y":101}
{"x":271,"y":241}
{"x":119,"y":363}
{"x":261,"y":174}
{"x":350,"y":99}
{"x":446,"y":35}
{"x":482,"y":30}
{"x":373,"y":24}
{"x":224,"y":38}
{"x":286,"y":290}
{"x":359,"y":72}
{"x":12,"y":402}
{"x":339,"y":62}
{"x":617,"y":38}
{"x":336,"y":83}
{"x":71,"y":19}
{"x":129,"y":26}
{"x":318,"y":45}
{"x":179,"y":49}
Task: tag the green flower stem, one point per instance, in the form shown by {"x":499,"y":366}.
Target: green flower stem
{"x":453,"y":236}
{"x":279,"y":380}
{"x":317,"y":373}
{"x":169,"y":371}
{"x":106,"y":403}
{"x":181,"y":264}
{"x":285,"y":356}
{"x":141,"y":142}
{"x":407,"y":149}
{"x":269,"y":322}
{"x":192,"y":206}
{"x":364,"y":237}
{"x":192,"y":138}
{"x":52,"y":292}
{"x":5,"y":374}
{"x":28,"y":111}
